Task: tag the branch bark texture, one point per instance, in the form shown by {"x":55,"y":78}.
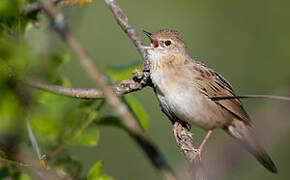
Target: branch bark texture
{"x":125,"y":25}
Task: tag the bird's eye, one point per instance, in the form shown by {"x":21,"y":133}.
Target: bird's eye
{"x":167,"y":43}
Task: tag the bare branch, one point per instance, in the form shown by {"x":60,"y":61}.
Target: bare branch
{"x":13,"y":163}
{"x":126,"y":86}
{"x":217,"y":98}
{"x":35,"y":7}
{"x":124,"y":23}
{"x":120,"y":109}
{"x":33,"y":140}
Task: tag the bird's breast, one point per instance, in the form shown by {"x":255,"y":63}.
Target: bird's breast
{"x":181,"y":97}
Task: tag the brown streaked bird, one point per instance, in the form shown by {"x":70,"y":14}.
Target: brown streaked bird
{"x":184,"y":86}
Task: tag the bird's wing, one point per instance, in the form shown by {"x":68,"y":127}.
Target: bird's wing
{"x":211,"y":84}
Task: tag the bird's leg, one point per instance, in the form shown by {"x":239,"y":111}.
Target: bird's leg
{"x":199,"y":150}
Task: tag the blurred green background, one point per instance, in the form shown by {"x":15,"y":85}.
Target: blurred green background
{"x":245,"y":41}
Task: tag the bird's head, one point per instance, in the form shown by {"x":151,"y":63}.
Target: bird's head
{"x":165,"y":42}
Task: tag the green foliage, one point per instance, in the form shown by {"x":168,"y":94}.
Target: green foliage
{"x":108,"y":120}
{"x":48,"y":116}
{"x":14,"y":58}
{"x":88,"y":137}
{"x":10,"y":111}
{"x":96,"y":172}
{"x":12,"y":22}
{"x":68,"y":164}
{"x":15,"y":174}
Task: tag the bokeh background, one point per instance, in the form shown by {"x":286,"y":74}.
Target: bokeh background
{"x":245,"y":41}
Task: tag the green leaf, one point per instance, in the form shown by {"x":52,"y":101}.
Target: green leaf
{"x":68,"y":164}
{"x":23,"y":176}
{"x":10,"y":111}
{"x":14,"y":56}
{"x":109,"y":120}
{"x":120,"y":72}
{"x":96,"y":172}
{"x":88,"y":137}
{"x":51,"y":117}
{"x":138,"y":110}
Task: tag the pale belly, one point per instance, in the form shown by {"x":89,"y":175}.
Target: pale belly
{"x":186,"y":102}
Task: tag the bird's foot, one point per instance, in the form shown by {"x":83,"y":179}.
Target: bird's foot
{"x":137,"y":74}
{"x":142,"y":77}
{"x":197,"y":154}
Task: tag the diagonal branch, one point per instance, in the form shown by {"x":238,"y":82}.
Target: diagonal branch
{"x":120,"y":109}
{"x":123,"y":22}
{"x":33,"y":140}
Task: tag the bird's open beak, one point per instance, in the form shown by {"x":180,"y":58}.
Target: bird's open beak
{"x":154,"y":42}
{"x":148,"y":34}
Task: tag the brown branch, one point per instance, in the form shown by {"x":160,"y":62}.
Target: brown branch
{"x":126,"y":86}
{"x":120,"y":109}
{"x":36,"y":7}
{"x":123,"y":22}
{"x":7,"y":162}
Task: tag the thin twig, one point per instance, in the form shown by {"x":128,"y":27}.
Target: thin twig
{"x":120,"y":109}
{"x":217,"y":98}
{"x":33,"y":140}
{"x":42,"y":158}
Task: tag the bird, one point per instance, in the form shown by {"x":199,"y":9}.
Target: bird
{"x":184,"y":87}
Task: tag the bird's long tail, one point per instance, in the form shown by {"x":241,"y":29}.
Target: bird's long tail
{"x":244,"y":133}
